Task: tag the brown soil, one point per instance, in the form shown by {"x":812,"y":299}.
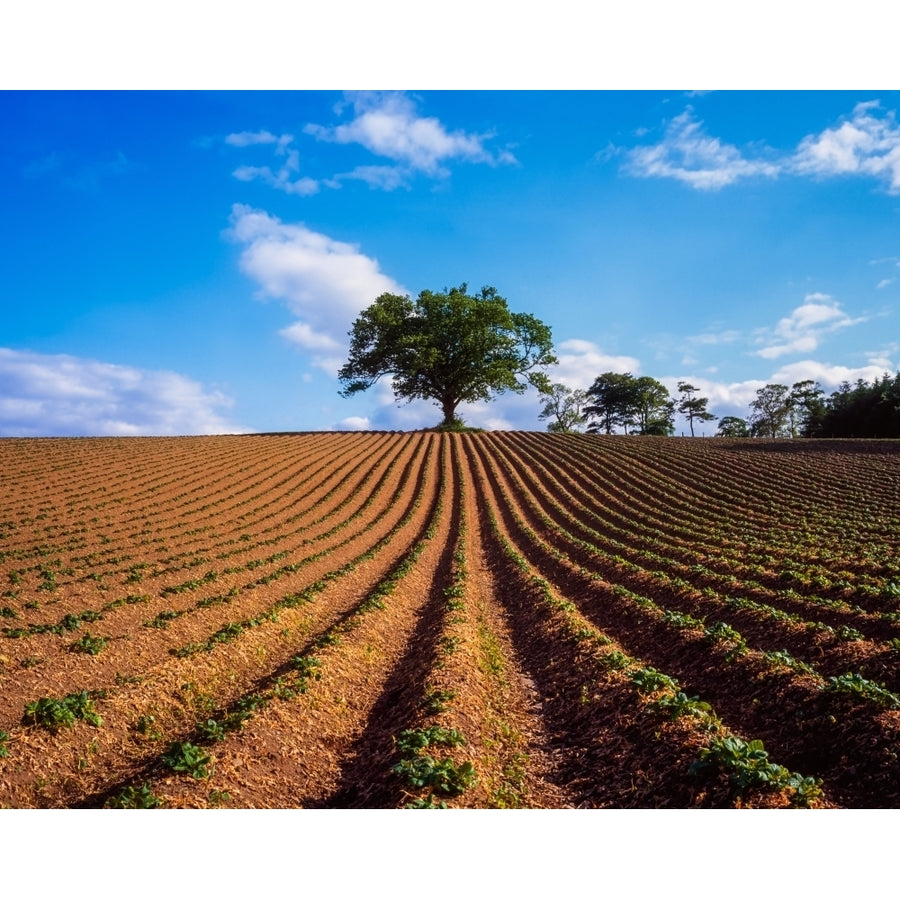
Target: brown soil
{"x":502,"y":588}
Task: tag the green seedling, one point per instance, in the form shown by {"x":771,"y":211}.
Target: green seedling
{"x":415,"y":739}
{"x":444,"y":776}
{"x":187,"y":759}
{"x":54,"y":714}
{"x":134,"y":798}
{"x":89,"y":643}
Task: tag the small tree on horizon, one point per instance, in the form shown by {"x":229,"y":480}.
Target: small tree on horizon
{"x":565,"y":406}
{"x":693,"y":407}
{"x":733,"y":426}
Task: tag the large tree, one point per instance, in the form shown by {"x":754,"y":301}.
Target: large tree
{"x":450,"y":347}
{"x":642,"y":404}
{"x":609,"y":401}
{"x":807,"y":408}
{"x":769,"y":416}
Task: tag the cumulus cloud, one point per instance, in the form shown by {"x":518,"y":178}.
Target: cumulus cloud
{"x":60,"y":395}
{"x":326,"y":283}
{"x":866,"y":143}
{"x":580,"y":362}
{"x":688,"y":154}
{"x":388,"y":125}
{"x":804,"y":328}
{"x":830,"y":376}
{"x":353,"y":423}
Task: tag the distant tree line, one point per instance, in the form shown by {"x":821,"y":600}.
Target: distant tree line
{"x":643,"y":405}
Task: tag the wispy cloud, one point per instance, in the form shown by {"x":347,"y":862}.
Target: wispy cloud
{"x":326,"y":283}
{"x":688,"y":154}
{"x":388,"y":125}
{"x":251,"y":138}
{"x":44,"y":395}
{"x":865,"y":143}
{"x":284,"y":177}
{"x":803,"y":330}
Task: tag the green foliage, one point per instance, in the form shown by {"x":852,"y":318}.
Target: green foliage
{"x":89,"y":643}
{"x":187,"y":759}
{"x":648,"y":680}
{"x":691,"y":406}
{"x":162,"y":619}
{"x":307,"y":667}
{"x":4,"y":737}
{"x":413,"y":740}
{"x":747,"y":766}
{"x":679,"y":704}
{"x":783,"y":658}
{"x":134,"y":798}
{"x":54,"y":714}
{"x":721,"y":632}
{"x":856,"y":685}
{"x":770,"y":411}
{"x":211,"y":730}
{"x":565,"y":408}
{"x":640,"y":404}
{"x":436,"y":700}
{"x":444,"y":776}
{"x":448,"y":347}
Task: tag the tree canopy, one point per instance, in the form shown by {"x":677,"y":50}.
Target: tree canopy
{"x":450,"y":347}
{"x":692,"y":406}
{"x":565,"y":407}
{"x":642,"y":404}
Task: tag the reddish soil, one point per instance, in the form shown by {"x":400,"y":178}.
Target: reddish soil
{"x":298,"y":608}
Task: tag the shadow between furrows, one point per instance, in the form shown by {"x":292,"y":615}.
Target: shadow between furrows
{"x":797,"y":724}
{"x":153,"y":766}
{"x":366,"y":781}
{"x":608,"y":751}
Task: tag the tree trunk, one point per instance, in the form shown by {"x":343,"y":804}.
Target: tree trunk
{"x":448,"y":407}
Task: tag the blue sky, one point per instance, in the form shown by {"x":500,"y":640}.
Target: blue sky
{"x":191,"y":262}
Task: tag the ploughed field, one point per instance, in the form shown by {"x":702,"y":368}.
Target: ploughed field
{"x":476,"y":620}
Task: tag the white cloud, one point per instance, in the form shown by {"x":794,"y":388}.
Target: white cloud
{"x":388,"y":125}
{"x":829,"y":376}
{"x":864,"y":144}
{"x":804,"y":328}
{"x":688,"y":154}
{"x":580,"y":362}
{"x":47,"y":395}
{"x":282,"y":179}
{"x":385,"y":178}
{"x":353,"y":423}
{"x":713,"y":338}
{"x":250,"y":138}
{"x":885,"y":282}
{"x":325,"y":282}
